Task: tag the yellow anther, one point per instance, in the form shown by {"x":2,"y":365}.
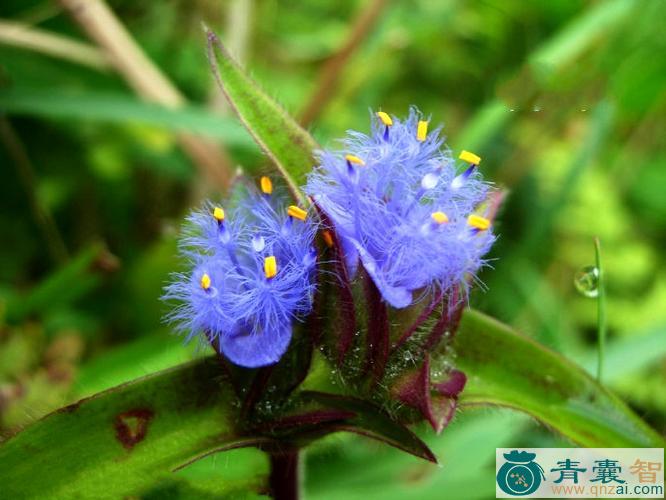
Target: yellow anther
{"x":328,"y":238}
{"x":422,"y":131}
{"x":478,"y":222}
{"x":205,"y":282}
{"x":296,"y":212}
{"x":354,"y":159}
{"x":270,"y":267}
{"x":470,"y":157}
{"x":385,"y":118}
{"x":218,"y":213}
{"x":439,"y":217}
{"x":266,"y":185}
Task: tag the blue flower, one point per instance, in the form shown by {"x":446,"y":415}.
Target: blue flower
{"x":251,"y":274}
{"x":403,"y":209}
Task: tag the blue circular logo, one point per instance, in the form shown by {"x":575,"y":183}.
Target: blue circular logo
{"x":520,"y":475}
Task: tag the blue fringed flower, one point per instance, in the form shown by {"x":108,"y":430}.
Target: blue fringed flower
{"x":252,"y":274}
{"x":402,"y":208}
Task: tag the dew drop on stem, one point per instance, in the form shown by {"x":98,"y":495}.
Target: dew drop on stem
{"x":586,"y":281}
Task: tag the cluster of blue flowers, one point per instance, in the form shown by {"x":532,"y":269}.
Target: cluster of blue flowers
{"x":399,"y":207}
{"x":252,"y":273}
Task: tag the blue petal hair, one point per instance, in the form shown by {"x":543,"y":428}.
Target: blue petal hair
{"x":251,"y":274}
{"x":403,"y":209}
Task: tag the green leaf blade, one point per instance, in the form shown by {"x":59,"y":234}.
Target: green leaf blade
{"x":510,"y":370}
{"x":283,"y":140}
{"x":123,"y":441}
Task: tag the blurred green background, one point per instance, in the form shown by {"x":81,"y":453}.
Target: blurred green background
{"x":101,"y":158}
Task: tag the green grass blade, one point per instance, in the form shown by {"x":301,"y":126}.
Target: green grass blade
{"x":567,"y":45}
{"x":628,"y":355}
{"x":283,"y":140}
{"x":601,"y":311}
{"x":114,"y":107}
{"x":508,"y":369}
{"x":65,"y":285}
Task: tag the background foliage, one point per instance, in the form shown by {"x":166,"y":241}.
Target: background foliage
{"x":564,"y":101}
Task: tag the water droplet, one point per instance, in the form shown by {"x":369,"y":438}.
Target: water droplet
{"x":586,"y":281}
{"x":536,"y":108}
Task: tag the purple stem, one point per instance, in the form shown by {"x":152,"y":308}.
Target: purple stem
{"x":284,"y":480}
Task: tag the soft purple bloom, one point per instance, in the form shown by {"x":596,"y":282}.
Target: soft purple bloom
{"x":401,"y":205}
{"x":251,"y":274}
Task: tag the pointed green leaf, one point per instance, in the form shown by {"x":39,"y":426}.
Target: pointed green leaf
{"x":508,"y":369}
{"x":125,"y":441}
{"x":285,"y":142}
{"x":128,"y":440}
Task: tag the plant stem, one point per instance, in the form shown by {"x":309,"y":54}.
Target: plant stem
{"x":285,"y":475}
{"x":24,"y":36}
{"x":601,"y":310}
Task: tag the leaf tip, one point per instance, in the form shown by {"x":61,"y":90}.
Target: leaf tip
{"x":429,"y":455}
